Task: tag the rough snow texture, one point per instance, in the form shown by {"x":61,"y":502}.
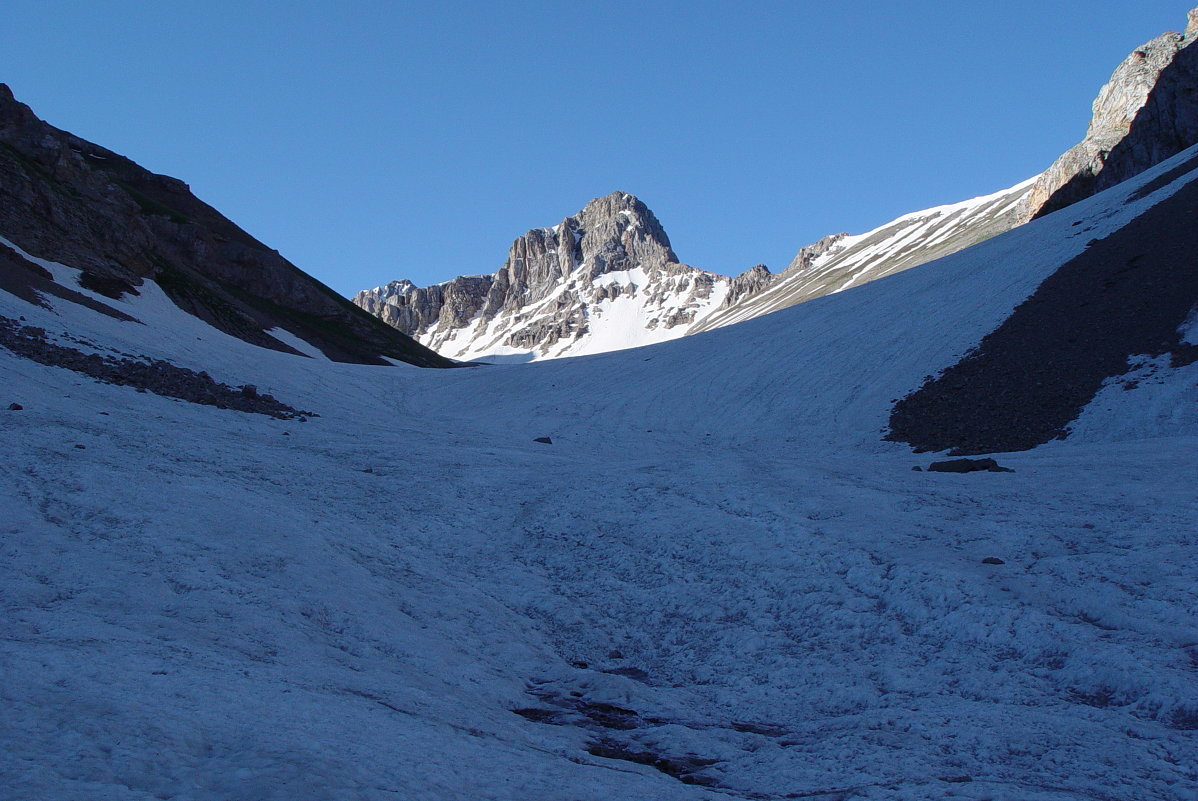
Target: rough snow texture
{"x":717,"y":567}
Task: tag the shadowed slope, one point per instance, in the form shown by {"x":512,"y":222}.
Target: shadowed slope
{"x":67,"y":200}
{"x":1126,"y":295}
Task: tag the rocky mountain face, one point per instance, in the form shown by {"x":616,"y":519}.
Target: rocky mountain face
{"x":1146,"y":113}
{"x":68,"y":200}
{"x":607,"y":278}
{"x":601,"y":279}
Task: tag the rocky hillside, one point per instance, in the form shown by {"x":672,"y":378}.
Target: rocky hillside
{"x":1146,"y":113}
{"x":615,"y":282}
{"x":69,"y":201}
{"x":839,"y":262}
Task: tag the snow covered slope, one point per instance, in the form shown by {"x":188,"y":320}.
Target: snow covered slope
{"x":846,"y":261}
{"x":717,"y":582}
{"x":571,"y":298}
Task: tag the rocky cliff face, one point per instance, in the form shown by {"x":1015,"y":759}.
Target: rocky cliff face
{"x":410,"y":308}
{"x":603,"y":278}
{"x":68,"y":200}
{"x":1146,"y":112}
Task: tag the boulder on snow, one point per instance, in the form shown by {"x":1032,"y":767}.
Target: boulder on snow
{"x":993,"y":560}
{"x":545,"y":440}
{"x":968,"y":466}
{"x":15,"y":407}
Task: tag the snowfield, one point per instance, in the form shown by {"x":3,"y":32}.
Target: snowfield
{"x":717,"y":581}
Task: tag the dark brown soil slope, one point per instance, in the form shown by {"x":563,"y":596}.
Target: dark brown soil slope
{"x":1025,"y":383}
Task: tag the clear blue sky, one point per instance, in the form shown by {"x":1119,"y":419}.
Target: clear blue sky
{"x":370,"y":141}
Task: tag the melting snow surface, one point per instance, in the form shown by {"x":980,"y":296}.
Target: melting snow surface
{"x":716,"y":564}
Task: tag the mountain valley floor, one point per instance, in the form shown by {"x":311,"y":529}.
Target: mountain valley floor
{"x":717,"y":582}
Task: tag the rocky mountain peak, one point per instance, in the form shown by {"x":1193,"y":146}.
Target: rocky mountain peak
{"x":611,"y":233}
{"x":1124,"y":119}
{"x":550,"y":283}
{"x":619,"y":232}
{"x":750,"y":282}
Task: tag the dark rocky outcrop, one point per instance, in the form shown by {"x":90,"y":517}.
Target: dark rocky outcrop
{"x":686,"y":768}
{"x":146,"y":375}
{"x":68,"y":200}
{"x":967,"y":466}
{"x":33,"y":284}
{"x":1127,"y":295}
{"x":1146,"y":113}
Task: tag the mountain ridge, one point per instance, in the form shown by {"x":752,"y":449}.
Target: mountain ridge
{"x":561,"y":287}
{"x":68,"y":200}
{"x":1146,"y":112}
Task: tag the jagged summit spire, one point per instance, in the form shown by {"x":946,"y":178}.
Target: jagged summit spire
{"x":555,"y":285}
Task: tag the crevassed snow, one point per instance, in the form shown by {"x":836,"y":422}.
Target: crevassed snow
{"x":208,"y":605}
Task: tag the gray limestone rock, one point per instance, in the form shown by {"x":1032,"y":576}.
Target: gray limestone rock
{"x":750,"y":282}
{"x":806,"y":256}
{"x":551,"y":283}
{"x":1146,"y":112}
{"x":413,"y":309}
